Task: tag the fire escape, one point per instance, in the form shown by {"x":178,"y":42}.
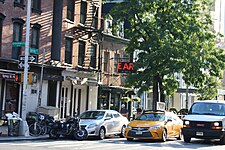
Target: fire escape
{"x":88,"y":31}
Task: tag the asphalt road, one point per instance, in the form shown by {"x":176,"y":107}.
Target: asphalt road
{"x":110,"y":144}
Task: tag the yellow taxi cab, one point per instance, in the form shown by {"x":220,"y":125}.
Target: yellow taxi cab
{"x":157,"y":125}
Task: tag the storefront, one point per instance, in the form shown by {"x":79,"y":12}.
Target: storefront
{"x":10,"y":92}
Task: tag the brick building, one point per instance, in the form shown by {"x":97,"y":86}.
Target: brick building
{"x":71,"y":42}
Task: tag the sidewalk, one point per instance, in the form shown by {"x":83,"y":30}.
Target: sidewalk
{"x":21,"y":138}
{"x":4,"y":136}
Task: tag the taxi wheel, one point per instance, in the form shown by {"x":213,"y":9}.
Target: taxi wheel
{"x":164,"y":135}
{"x":130,"y":139}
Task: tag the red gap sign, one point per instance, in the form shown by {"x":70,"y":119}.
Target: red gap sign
{"x":125,"y":67}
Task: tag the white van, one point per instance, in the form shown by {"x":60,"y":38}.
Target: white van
{"x":205,"y":120}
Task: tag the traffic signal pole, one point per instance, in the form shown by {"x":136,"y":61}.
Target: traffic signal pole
{"x":24,"y":100}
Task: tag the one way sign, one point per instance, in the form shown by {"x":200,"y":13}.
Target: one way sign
{"x":31,"y":58}
{"x":21,"y":65}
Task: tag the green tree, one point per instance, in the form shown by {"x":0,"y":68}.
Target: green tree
{"x":172,"y":36}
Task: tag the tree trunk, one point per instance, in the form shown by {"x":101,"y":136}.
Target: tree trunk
{"x":161,"y":90}
{"x":155,"y":93}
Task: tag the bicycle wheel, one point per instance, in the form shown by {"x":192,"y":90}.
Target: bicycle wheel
{"x":35,"y":129}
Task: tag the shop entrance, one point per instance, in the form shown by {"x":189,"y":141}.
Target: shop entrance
{"x":11,"y":97}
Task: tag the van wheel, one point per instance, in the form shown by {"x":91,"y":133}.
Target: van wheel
{"x":187,"y":139}
{"x":222,"y":140}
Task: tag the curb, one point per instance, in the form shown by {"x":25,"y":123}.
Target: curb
{"x":19,"y":138}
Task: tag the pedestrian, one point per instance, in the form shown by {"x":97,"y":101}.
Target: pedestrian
{"x":124,"y":111}
{"x":139,"y":110}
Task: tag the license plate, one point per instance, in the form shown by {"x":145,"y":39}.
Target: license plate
{"x":139,"y":132}
{"x":199,"y":133}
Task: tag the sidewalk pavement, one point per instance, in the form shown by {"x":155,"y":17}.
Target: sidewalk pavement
{"x":21,"y":138}
{"x":4,"y":136}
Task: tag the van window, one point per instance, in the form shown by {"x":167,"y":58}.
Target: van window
{"x":208,"y":109}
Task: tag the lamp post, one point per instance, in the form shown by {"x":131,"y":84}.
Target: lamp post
{"x":24,"y":101}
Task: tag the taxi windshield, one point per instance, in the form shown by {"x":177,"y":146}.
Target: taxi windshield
{"x":152,"y":117}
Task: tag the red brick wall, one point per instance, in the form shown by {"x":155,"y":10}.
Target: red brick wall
{"x":44,"y":19}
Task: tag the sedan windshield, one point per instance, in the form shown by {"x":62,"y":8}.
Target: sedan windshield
{"x":92,"y":115}
{"x":152,"y":117}
{"x":208,"y":109}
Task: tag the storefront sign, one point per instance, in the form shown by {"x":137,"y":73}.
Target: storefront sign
{"x":125,"y":67}
{"x":7,"y":76}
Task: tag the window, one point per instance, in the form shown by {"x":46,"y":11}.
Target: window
{"x":35,"y":36}
{"x":93,"y":56}
{"x":70,"y":10}
{"x":116,"y":60}
{"x":68,"y":50}
{"x":36,"y":6}
{"x":106,"y":61}
{"x":81,"y":53}
{"x":83,"y":12}
{"x":2,"y":17}
{"x":95,"y":18}
{"x":19,"y":3}
{"x":17,"y":36}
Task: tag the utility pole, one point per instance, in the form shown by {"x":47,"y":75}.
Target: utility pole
{"x":24,"y":101}
{"x":41,"y":79}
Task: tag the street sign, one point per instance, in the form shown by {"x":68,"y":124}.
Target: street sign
{"x":18,"y":44}
{"x":31,"y":58}
{"x":33,"y":50}
{"x":21,"y":65}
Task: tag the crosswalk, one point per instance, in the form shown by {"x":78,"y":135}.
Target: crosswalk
{"x":106,"y":144}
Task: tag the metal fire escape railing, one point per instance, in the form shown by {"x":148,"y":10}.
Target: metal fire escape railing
{"x":89,"y":30}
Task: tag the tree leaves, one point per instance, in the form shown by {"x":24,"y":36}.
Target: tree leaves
{"x":172,"y":36}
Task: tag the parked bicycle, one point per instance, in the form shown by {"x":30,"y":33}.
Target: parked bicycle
{"x":39,"y":123}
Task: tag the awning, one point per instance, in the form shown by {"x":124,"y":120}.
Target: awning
{"x":118,"y":89}
{"x":83,"y":81}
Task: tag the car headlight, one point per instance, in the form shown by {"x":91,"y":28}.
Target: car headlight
{"x":129,"y":127}
{"x":154,"y":127}
{"x":186,"y":122}
{"x":93,"y":125}
{"x":216,"y":124}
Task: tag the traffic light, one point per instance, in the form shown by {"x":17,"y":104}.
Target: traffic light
{"x":32,"y":78}
{"x":19,"y":77}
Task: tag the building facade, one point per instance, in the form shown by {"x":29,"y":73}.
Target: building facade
{"x":64,"y":41}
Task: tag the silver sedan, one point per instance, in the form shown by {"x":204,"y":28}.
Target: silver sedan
{"x":102,"y":123}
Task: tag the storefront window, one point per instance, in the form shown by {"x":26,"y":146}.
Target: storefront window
{"x":12,"y":97}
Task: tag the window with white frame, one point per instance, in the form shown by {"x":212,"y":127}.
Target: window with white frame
{"x":83,"y":12}
{"x":17,"y":36}
{"x":106,"y":61}
{"x":68,"y":50}
{"x":93,"y":56}
{"x":70,"y":10}
{"x":81,"y":53}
